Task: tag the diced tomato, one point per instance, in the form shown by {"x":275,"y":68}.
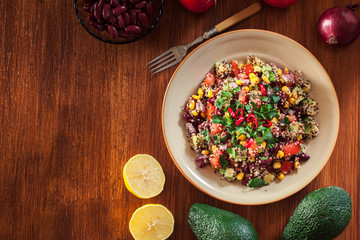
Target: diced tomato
{"x":242,"y":96}
{"x":286,"y":166}
{"x":291,"y":148}
{"x":235,"y":72}
{"x":210,"y":109}
{"x":209,"y":79}
{"x":216,"y":128}
{"x":292,"y":118}
{"x":248,"y":68}
{"x":215,"y":159}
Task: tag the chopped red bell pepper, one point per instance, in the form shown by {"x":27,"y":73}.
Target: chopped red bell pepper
{"x":267,"y":123}
{"x":249,"y":142}
{"x":262,"y":88}
{"x":241,"y":118}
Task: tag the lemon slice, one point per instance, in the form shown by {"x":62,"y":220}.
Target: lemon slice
{"x":143,"y":176}
{"x":151,"y":222}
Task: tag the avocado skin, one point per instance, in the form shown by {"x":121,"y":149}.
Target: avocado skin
{"x":211,"y":223}
{"x":322,"y":215}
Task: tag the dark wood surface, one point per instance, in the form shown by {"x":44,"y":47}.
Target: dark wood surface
{"x":74,"y":110}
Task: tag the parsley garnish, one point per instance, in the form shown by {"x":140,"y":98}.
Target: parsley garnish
{"x":224,"y":163}
{"x":225,"y":97}
{"x":217,"y":119}
{"x":206,"y":134}
{"x":232,"y":153}
{"x":256,"y":183}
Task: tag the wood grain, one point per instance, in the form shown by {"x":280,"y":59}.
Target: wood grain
{"x":73,"y":110}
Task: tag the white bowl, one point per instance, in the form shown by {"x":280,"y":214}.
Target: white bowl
{"x":271,"y":47}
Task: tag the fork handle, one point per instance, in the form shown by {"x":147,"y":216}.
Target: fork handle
{"x":243,"y":14}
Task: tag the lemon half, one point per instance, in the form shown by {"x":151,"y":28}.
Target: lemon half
{"x":151,"y":222}
{"x":144,"y":176}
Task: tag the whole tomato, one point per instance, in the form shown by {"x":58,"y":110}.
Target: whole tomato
{"x":280,"y":3}
{"x":198,"y":6}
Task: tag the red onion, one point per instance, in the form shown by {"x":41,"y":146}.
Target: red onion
{"x":339,"y":26}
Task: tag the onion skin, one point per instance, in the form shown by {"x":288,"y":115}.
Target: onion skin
{"x":280,"y":3}
{"x":339,"y":26}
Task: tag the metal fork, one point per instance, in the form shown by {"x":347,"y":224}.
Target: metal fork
{"x":175,"y":54}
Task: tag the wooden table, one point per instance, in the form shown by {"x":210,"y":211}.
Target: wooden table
{"x":74,"y":110}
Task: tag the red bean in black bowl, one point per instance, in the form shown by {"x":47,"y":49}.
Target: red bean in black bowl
{"x":119,"y":21}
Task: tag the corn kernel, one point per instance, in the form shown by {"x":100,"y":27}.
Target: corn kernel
{"x":286,"y":105}
{"x":214,"y":148}
{"x":240,"y":176}
{"x":292,"y":100}
{"x":264,"y":144}
{"x":226,"y":114}
{"x":239,"y":82}
{"x":195,"y":113}
{"x":274,"y":120}
{"x":247,"y":89}
{"x":192,"y":105}
{"x":205,"y":152}
{"x":281,"y":176}
{"x":277,"y":165}
{"x":286,"y":70}
{"x":299,"y":137}
{"x":279,"y":72}
{"x":203,"y":114}
{"x":280,"y":154}
{"x":257,"y":69}
{"x":201,"y":92}
{"x":297,"y":165}
{"x":194,"y":138}
{"x":210,"y":94}
{"x":249,"y":123}
{"x":242,"y":137}
{"x":243,"y":143}
{"x":241,"y":65}
{"x":196,"y":97}
{"x":266,"y":79}
{"x":278,"y":111}
{"x":286,"y":90}
{"x":252,"y":159}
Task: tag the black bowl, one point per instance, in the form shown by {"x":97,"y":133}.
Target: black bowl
{"x":105,"y":36}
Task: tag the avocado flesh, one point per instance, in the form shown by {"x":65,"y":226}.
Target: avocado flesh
{"x":211,"y":223}
{"x":322,"y":215}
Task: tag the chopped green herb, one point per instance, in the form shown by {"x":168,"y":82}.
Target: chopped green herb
{"x":224,"y":163}
{"x":272,"y":76}
{"x":206,"y":134}
{"x":275,"y":98}
{"x":217,"y":119}
{"x":256,"y":183}
{"x":232,"y":153}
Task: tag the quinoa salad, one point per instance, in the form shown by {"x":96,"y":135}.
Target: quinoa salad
{"x":250,"y":121}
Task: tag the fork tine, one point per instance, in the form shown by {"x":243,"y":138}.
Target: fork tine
{"x":164,"y":59}
{"x":173,"y":58}
{"x":160,"y":56}
{"x":167,"y":66}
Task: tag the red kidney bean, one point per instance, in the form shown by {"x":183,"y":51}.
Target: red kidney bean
{"x":112,"y":19}
{"x":201,"y":161}
{"x":119,"y":9}
{"x":149,"y":9}
{"x":123,"y":34}
{"x":132,"y":17}
{"x":133,"y":29}
{"x":141,"y":4}
{"x":106,"y":11}
{"x":96,"y":25}
{"x":302,"y":156}
{"x":114,"y":3}
{"x":102,"y":2}
{"x":120,"y":20}
{"x":136,"y":10}
{"x":143,"y":19}
{"x":126,"y":18}
{"x":97,"y":10}
{"x":113,"y":31}
{"x":134,"y":1}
